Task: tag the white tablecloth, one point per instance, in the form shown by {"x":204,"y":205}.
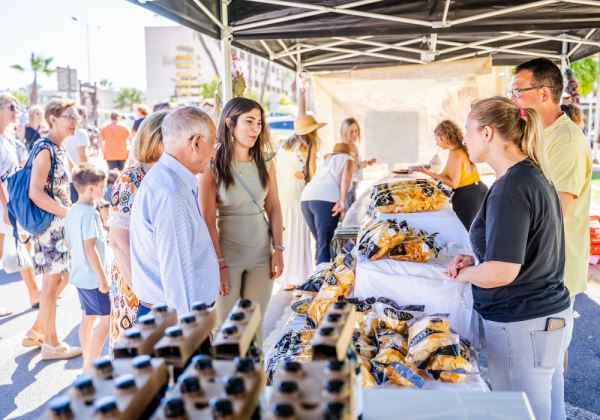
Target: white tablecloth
{"x":410,"y":283}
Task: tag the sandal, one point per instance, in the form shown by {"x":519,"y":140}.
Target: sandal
{"x":33,"y":339}
{"x":289,"y":287}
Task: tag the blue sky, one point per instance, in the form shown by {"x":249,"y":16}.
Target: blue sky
{"x":45,"y":27}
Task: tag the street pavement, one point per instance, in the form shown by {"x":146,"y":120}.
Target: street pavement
{"x":27,"y":382}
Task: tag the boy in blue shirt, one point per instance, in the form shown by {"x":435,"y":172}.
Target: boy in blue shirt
{"x":87,"y":240}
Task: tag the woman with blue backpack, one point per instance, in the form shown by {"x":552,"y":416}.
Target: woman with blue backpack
{"x":49,"y":192}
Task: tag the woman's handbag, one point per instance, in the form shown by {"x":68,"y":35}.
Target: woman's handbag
{"x":15,"y":256}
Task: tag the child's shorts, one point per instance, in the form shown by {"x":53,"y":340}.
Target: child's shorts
{"x":93,"y":302}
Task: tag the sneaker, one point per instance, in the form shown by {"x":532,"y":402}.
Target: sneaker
{"x":33,"y":338}
{"x":62,"y":351}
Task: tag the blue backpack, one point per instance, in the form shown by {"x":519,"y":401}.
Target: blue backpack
{"x":20,"y":207}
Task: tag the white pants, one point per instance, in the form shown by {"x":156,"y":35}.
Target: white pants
{"x":522,"y":356}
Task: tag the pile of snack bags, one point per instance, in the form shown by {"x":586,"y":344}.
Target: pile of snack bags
{"x":396,"y":240}
{"x":409,"y":196}
{"x":400,"y":345}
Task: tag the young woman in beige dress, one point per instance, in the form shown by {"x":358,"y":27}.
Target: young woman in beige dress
{"x":240,"y":204}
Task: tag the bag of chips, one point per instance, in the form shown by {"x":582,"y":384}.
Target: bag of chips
{"x":409,"y":196}
{"x":449,"y":368}
{"x":294,"y":345}
{"x":403,"y":374}
{"x":315,"y":281}
{"x":388,"y":339}
{"x":368,"y":380}
{"x":417,"y":246}
{"x":395,"y":317}
{"x":301,"y":306}
{"x":339,"y":284}
{"x":380,"y":238}
{"x":364,"y":345}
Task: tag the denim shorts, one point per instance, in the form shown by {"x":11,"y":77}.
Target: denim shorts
{"x":93,"y":302}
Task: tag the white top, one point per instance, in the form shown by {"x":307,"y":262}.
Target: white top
{"x":71,"y":143}
{"x":289,"y":162}
{"x":325,"y":185}
{"x":9,"y":160}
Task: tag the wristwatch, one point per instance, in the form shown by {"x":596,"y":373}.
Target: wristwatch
{"x":279,"y":248}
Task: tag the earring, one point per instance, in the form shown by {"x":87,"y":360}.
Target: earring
{"x":232,"y":138}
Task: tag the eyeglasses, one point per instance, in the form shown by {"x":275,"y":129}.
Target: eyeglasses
{"x":73,"y":117}
{"x":516,"y":92}
{"x":12,"y":107}
{"x":216,"y":145}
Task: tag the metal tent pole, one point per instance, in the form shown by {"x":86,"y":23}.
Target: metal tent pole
{"x":226,"y":48}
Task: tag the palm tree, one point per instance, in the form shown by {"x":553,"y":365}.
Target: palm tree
{"x":128,"y":97}
{"x":37,"y":64}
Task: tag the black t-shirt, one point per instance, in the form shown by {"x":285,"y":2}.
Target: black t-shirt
{"x":520,"y":221}
{"x":31,"y":136}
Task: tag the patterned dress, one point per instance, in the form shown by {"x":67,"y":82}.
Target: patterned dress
{"x":51,"y":255}
{"x":124,"y":303}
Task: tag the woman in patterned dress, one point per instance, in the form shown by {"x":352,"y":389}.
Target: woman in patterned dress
{"x":148,"y":147}
{"x":49,"y":190}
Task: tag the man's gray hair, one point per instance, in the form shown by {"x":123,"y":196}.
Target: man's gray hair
{"x":184,"y":122}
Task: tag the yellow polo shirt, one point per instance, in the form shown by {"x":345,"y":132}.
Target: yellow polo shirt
{"x":570,"y":164}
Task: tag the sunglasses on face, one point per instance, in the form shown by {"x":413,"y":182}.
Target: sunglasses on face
{"x":12,"y":107}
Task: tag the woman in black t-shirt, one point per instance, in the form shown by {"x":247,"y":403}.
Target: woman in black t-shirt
{"x":517,"y":237}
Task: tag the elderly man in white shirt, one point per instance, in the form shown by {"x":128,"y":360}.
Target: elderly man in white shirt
{"x":173,"y":261}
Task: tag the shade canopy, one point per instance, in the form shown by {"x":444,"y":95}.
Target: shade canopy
{"x":342,"y":34}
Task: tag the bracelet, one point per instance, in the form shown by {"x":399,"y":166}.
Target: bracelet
{"x":220,"y":259}
{"x":225,"y":267}
{"x":278,"y":247}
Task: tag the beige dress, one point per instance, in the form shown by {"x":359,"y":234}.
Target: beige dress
{"x":245,"y":241}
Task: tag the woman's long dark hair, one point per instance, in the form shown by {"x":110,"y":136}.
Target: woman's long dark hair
{"x":260,"y":152}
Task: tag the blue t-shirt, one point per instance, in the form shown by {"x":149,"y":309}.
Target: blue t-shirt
{"x":82,"y":223}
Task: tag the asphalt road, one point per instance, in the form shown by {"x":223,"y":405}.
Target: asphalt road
{"x":27,"y":382}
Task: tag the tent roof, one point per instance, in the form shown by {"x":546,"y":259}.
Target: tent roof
{"x":347,"y":34}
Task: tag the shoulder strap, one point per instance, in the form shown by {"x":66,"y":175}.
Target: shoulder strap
{"x":34,"y":153}
{"x":249,"y":191}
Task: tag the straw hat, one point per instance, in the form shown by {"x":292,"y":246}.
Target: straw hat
{"x":305,"y":124}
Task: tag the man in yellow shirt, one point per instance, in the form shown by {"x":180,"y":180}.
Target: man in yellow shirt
{"x":538,"y":84}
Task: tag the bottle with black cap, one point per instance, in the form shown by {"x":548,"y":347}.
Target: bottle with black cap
{"x":335,"y":390}
{"x":292,"y":370}
{"x":103,"y":367}
{"x":142,"y":363}
{"x":203,"y":364}
{"x":174,"y":408}
{"x":238,"y":318}
{"x":244,"y":366}
{"x":125,"y":383}
{"x":84,"y":388}
{"x":188,"y":320}
{"x":174,"y":337}
{"x":282,"y":411}
{"x":245,"y":305}
{"x":338,"y":369}
{"x":235,"y":387}
{"x":335,"y":410}
{"x":147,"y":322}
{"x":222,"y":409}
{"x":288,"y":391}
{"x":106,"y":408}
{"x":200,"y":308}
{"x":60,"y":408}
{"x":191,"y":390}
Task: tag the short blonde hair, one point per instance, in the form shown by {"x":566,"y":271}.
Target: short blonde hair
{"x":346,"y":124}
{"x":32,"y":113}
{"x":148,"y":143}
{"x":6,"y":98}
{"x":56,"y":107}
